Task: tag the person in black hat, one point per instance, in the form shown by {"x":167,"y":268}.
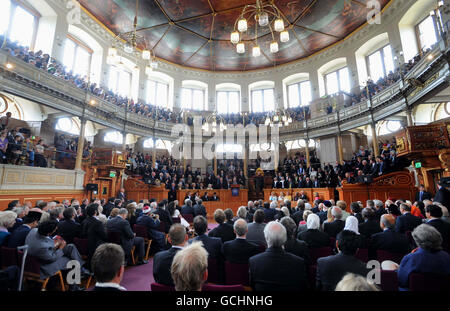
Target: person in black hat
{"x":443,"y":194}
{"x":18,"y":236}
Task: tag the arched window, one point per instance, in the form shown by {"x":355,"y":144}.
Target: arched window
{"x":229,"y":148}
{"x":299,"y":94}
{"x":114,"y":137}
{"x":228,"y":98}
{"x":380,"y":63}
{"x":77,"y":56}
{"x":158,"y":93}
{"x":67,"y":125}
{"x":193,"y":95}
{"x":389,"y":127}
{"x":262,"y":96}
{"x":299,"y":144}
{"x":337,"y":81}
{"x":160,"y":144}
{"x":120,"y":81}
{"x":19,"y":22}
{"x":426,"y":33}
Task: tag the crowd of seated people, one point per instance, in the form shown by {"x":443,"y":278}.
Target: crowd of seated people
{"x":261,"y":235}
{"x":170,"y":172}
{"x":19,"y":147}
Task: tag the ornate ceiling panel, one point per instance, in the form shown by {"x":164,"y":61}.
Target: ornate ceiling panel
{"x":196,"y":33}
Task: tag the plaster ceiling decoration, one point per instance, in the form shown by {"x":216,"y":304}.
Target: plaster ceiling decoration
{"x":196,"y":33}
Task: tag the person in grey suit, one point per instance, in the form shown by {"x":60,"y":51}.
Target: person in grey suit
{"x":256,"y":229}
{"x":128,"y":238}
{"x":53,"y":255}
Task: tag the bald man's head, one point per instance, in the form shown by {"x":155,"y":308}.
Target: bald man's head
{"x":387,"y":221}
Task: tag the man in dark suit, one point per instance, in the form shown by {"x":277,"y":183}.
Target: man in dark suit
{"x":331,"y":269}
{"x":199,"y":209}
{"x":272,"y":270}
{"x":381,"y":166}
{"x":308,"y":183}
{"x":213,"y":245}
{"x":370,"y":224}
{"x":18,"y":236}
{"x":443,"y":194}
{"x":293,"y":245}
{"x":164,"y":215}
{"x":93,"y":230}
{"x":128,"y":238}
{"x":214,"y":197}
{"x":269,"y":211}
{"x":109,"y":206}
{"x":389,"y":240}
{"x":240,"y":250}
{"x":187,"y":208}
{"x":108,"y":267}
{"x":407,"y":221}
{"x":151,"y":222}
{"x":172,"y":196}
{"x":223,"y":231}
{"x":337,"y":225}
{"x":434,"y":214}
{"x":422,"y":195}
{"x":121,"y":195}
{"x":68,"y":228}
{"x":163,"y":260}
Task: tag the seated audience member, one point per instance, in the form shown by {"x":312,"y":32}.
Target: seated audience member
{"x":297,"y":214}
{"x":337,"y":225}
{"x":434,"y":215}
{"x":343,"y":206}
{"x":19,"y":235}
{"x":313,"y":236}
{"x":273,"y":269}
{"x":214,"y":197}
{"x":241,"y":213}
{"x":229,"y":216}
{"x":389,"y":240}
{"x":109,"y":207}
{"x":302,"y":225}
{"x":379,"y":209}
{"x":212,"y":245}
{"x":151,"y":222}
{"x":93,"y":230}
{"x":128,"y":238}
{"x":331,"y":269}
{"x":429,"y":257}
{"x":239,"y":250}
{"x":269,"y":211}
{"x":199,"y":209}
{"x":68,"y":228}
{"x":293,"y":245}
{"x":187,"y":208}
{"x":53,"y":255}
{"x":256,"y":229}
{"x":189,"y":268}
{"x":406,"y":222}
{"x":7,"y":220}
{"x":163,"y":260}
{"x":351,"y":224}
{"x":223,"y":231}
{"x":370,"y":224}
{"x":355,"y":283}
{"x":356,"y":211}
{"x":9,"y":278}
{"x":108,"y":267}
{"x":164,"y":215}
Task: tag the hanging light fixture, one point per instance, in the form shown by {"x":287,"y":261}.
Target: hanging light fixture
{"x":274,"y":47}
{"x":266,"y":14}
{"x":240,"y":48}
{"x":284,"y":36}
{"x":235,"y":37}
{"x":256,"y":51}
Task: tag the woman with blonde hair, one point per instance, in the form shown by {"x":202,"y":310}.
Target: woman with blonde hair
{"x":281,"y":196}
{"x":273,"y":196}
{"x":7,"y":220}
{"x":131,"y":217}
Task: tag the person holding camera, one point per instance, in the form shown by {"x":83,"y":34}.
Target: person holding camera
{"x":151,"y":222}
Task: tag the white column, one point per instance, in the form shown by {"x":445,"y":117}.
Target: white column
{"x":279,"y":94}
{"x":314,"y":79}
{"x":245,"y":100}
{"x":352,"y":70}
{"x":177,"y":93}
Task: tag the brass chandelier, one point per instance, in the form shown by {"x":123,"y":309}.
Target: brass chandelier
{"x":266,"y":14}
{"x":129,"y":43}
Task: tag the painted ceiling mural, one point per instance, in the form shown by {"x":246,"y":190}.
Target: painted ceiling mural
{"x":196,"y":33}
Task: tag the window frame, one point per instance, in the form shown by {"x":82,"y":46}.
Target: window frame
{"x":29,"y":9}
{"x":228,"y":92}
{"x":417,"y":32}
{"x":192,"y":90}
{"x":80,"y":44}
{"x":156,"y":93}
{"x":262,"y":90}
{"x":381,"y":50}
{"x":116,"y":90}
{"x":338,"y":73}
{"x":299,"y":90}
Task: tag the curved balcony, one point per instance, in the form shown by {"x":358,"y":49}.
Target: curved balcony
{"x":26,"y":81}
